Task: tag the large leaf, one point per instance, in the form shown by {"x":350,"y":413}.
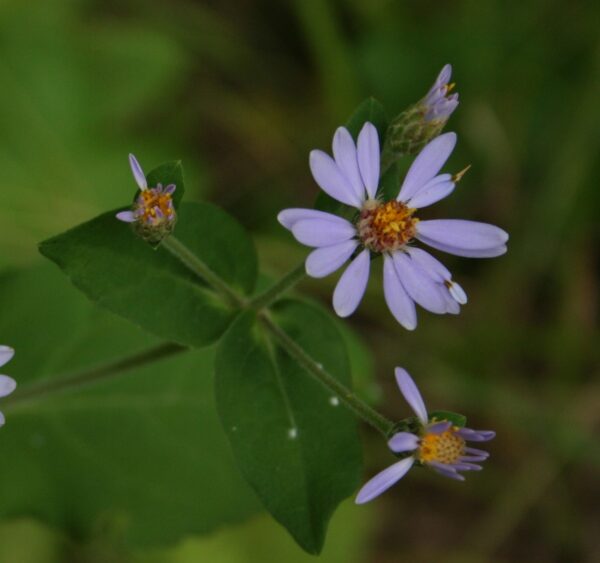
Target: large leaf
{"x":141,"y":453}
{"x":369,"y":110}
{"x":296,"y":446}
{"x":150,"y":287}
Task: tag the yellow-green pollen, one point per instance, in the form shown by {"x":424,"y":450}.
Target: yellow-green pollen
{"x":446,"y":447}
{"x":385,"y":227}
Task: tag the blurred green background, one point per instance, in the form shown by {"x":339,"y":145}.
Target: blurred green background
{"x":241,"y":91}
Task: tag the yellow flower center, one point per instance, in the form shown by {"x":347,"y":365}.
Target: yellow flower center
{"x":446,"y":447}
{"x":385,"y":227}
{"x":151,"y":200}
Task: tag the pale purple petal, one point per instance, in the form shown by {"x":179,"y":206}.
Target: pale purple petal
{"x":438,"y":427}
{"x":398,"y":301}
{"x":430,"y":264}
{"x":474,"y":457}
{"x":288,"y":217}
{"x":445,"y":470}
{"x":323,"y":232}
{"x":427,"y":164}
{"x":476,"y":435}
{"x":138,"y":173}
{"x":352,"y":285}
{"x":126,"y":216}
{"x":368,"y":157}
{"x":384,"y":480}
{"x":2,"y":419}
{"x":476,"y":451}
{"x":458,"y":293}
{"x":7,"y":385}
{"x":409,"y":390}
{"x":452,"y":307}
{"x":442,"y":108}
{"x":344,"y":152}
{"x":419,"y":284}
{"x":331,"y":180}
{"x":436,"y":189}
{"x":467,"y":467}
{"x":324,"y":261}
{"x":463,"y":235}
{"x":6,"y":354}
{"x":403,"y":442}
{"x":487,"y":253}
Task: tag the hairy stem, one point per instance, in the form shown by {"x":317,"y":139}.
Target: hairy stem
{"x":202,"y":270}
{"x":357,"y":405}
{"x":278,"y":288}
{"x":93,"y":375}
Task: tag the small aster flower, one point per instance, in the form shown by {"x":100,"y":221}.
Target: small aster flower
{"x":7,"y":384}
{"x":153,"y":216}
{"x":388,"y":228}
{"x":437,"y":444}
{"x":439,"y":104}
{"x":410,"y":131}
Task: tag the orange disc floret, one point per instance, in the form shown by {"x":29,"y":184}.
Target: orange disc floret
{"x":385,"y":227}
{"x":446,"y":447}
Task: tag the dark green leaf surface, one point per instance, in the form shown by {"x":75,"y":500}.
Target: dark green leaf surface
{"x":117,"y":270}
{"x":459,"y":420}
{"x":296,"y":446}
{"x":141,"y":454}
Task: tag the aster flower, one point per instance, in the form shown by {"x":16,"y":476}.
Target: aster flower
{"x":153,"y":215}
{"x":439,"y":104}
{"x":437,"y":444}
{"x":410,"y":131}
{"x":388,"y":228}
{"x":7,"y":384}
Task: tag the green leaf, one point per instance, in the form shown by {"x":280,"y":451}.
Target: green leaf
{"x":369,"y":110}
{"x":141,"y":454}
{"x":453,"y":417}
{"x":168,"y":173}
{"x":119,"y":271}
{"x":296,"y":446}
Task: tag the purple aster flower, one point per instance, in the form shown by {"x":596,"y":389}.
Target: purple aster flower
{"x":439,"y":104}
{"x":437,"y":444}
{"x":7,"y":384}
{"x":410,"y":275}
{"x":153,"y":212}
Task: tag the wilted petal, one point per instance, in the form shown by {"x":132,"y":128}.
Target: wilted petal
{"x":138,"y":173}
{"x":324,"y":261}
{"x":331,"y":180}
{"x":403,"y":442}
{"x":344,"y":152}
{"x":384,"y":480}
{"x":6,"y":354}
{"x":126,"y":216}
{"x":436,"y":189}
{"x":323,"y":232}
{"x":463,"y":235}
{"x":398,"y":301}
{"x":288,"y":217}
{"x":446,"y":470}
{"x":368,"y":157}
{"x":7,"y":385}
{"x":409,"y":390}
{"x":352,"y":285}
{"x":427,"y":164}
{"x":419,"y":284}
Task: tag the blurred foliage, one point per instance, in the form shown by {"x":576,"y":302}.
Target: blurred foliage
{"x":241,"y":91}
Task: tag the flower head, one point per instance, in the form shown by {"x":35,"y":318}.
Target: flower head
{"x":7,"y":384}
{"x":439,"y":103}
{"x":435,"y":443}
{"x":388,"y":228}
{"x":153,"y":215}
{"x":411,"y":130}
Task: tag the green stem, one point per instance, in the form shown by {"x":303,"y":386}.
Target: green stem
{"x":278,"y":288}
{"x":93,"y":375}
{"x":357,"y":405}
{"x":202,"y":270}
